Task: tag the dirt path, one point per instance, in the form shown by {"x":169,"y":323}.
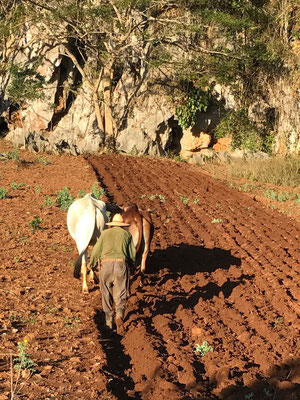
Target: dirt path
{"x":224,"y":269}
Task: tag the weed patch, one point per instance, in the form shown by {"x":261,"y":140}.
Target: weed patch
{"x":97,"y":191}
{"x":64,"y":199}
{"x":14,"y":185}
{"x":36,"y":223}
{"x":3,"y":193}
{"x":23,"y":360}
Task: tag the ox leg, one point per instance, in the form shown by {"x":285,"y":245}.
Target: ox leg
{"x":84,"y":273}
{"x":91,"y":275}
{"x":143,"y":263}
{"x":143,"y":266}
{"x":147,"y":240}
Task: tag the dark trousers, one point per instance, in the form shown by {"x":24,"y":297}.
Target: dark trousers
{"x":114,"y":284}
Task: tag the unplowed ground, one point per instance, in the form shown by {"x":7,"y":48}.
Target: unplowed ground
{"x":224,"y":269}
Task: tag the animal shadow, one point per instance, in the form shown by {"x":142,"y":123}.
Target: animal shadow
{"x":186,"y":259}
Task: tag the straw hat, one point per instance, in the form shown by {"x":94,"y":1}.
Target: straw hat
{"x":117,"y":221}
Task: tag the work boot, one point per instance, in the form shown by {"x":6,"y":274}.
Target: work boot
{"x":119,"y":321}
{"x":120,"y":326}
{"x":109,"y":320}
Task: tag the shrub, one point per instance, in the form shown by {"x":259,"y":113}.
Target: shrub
{"x":245,"y":134}
{"x":194,"y":100}
{"x":26,"y":84}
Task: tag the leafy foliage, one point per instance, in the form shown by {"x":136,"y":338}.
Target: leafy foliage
{"x":194,"y":101}
{"x":245,"y":134}
{"x":23,"y":361}
{"x":26,"y":84}
{"x":241,"y":43}
{"x":203,"y":348}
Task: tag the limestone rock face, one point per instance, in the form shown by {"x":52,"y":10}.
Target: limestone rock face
{"x":148,"y":130}
{"x":65,"y":120}
{"x":192,"y":143}
{"x":223,"y":144}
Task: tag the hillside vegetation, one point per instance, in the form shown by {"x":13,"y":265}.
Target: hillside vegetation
{"x":117,"y":48}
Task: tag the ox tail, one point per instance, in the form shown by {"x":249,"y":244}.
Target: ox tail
{"x":77,"y":267}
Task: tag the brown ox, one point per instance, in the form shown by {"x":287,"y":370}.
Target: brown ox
{"x":142,"y":229}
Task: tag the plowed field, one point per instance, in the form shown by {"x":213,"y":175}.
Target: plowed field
{"x":216,"y":318}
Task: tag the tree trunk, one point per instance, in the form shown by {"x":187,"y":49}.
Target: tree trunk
{"x":107,"y":102}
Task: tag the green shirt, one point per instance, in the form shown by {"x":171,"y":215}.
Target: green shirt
{"x":114,"y":242}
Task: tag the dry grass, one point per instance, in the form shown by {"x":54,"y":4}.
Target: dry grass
{"x":277,"y":171}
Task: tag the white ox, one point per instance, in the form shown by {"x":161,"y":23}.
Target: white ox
{"x":86,"y":220}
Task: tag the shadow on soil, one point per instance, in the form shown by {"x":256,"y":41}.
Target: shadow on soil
{"x":281,"y":383}
{"x":188,"y":259}
{"x":277,"y":385}
{"x":117,"y":361}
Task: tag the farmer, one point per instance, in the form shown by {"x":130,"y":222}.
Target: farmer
{"x":116,"y":250}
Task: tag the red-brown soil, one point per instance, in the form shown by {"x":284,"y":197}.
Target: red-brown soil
{"x":224,"y":269}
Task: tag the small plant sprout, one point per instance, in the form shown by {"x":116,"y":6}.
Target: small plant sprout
{"x":38,"y":189}
{"x":184,"y":199}
{"x":97,"y":191}
{"x":72,"y":322}
{"x":3,"y":193}
{"x":196,"y":201}
{"x":13,"y":155}
{"x":216,"y":220}
{"x":64,"y":199}
{"x":268,"y":392}
{"x":203,"y":348}
{"x":44,"y":161}
{"x":249,"y":396}
{"x":14,"y":185}
{"x":35,"y":223}
{"x":143,"y":196}
{"x":48,"y":201}
{"x":152,"y":196}
{"x":13,"y":317}
{"x":161,"y":198}
{"x":297,"y":199}
{"x":81,"y":193}
{"x":23,"y":361}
